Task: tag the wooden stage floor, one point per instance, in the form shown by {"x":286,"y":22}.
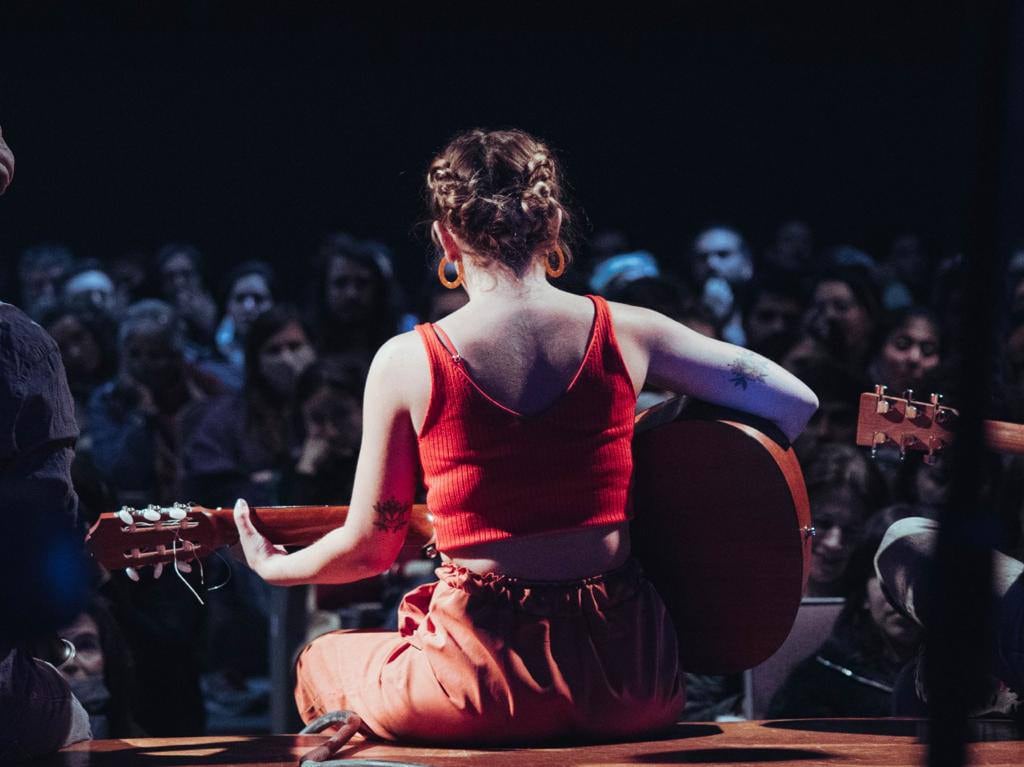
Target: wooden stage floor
{"x":860,"y":742}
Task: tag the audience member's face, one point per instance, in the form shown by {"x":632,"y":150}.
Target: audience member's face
{"x":249,"y":297}
{"x":933,"y":483}
{"x":95,"y":286}
{"x":792,"y":249}
{"x":128,"y":276}
{"x":335,"y":417}
{"x":84,"y":634}
{"x":78,"y":348}
{"x":39,"y":288}
{"x":719,"y":253}
{"x":910,"y":352}
{"x":178,"y":274}
{"x":350,"y":290}
{"x":833,"y":421}
{"x":772,"y":316}
{"x":284,"y":356}
{"x":908,"y":260}
{"x":149,"y":359}
{"x":899,"y":630}
{"x":838,"y":317}
{"x":837,"y":527}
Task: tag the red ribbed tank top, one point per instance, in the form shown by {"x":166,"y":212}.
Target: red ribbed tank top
{"x":492,"y":473}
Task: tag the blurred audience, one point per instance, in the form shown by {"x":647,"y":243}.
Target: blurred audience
{"x":41,"y":273}
{"x":910,"y":351}
{"x":206,"y":398}
{"x":355,"y":314}
{"x":853,"y":673}
{"x":844,"y":489}
{"x":87,"y":283}
{"x":721,"y":267}
{"x":179,"y":278}
{"x":328,"y":398}
{"x":101,"y":673}
{"x":87,"y":338}
{"x":245,"y":441}
{"x":842,"y":317}
{"x":137,"y":420}
{"x":772,"y":314}
{"x":249,"y":293}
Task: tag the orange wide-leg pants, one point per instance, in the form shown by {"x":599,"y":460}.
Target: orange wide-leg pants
{"x":491,"y":659}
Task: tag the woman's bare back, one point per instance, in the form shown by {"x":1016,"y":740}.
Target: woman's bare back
{"x":524,"y":355}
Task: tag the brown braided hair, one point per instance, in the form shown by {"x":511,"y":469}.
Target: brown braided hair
{"x":500,"y":192}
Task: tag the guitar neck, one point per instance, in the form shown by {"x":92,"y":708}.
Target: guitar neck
{"x":302,"y":525}
{"x":1004,"y":437}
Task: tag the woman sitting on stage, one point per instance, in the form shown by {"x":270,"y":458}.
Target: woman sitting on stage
{"x":519,"y":408}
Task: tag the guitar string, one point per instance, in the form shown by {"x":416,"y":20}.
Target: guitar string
{"x":174,"y":551}
{"x":227,"y":580}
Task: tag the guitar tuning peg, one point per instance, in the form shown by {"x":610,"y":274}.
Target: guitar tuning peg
{"x":882,"y":406}
{"x":125,"y":515}
{"x":151,"y":513}
{"x":158,"y":570}
{"x":177,"y":512}
{"x":183,"y":567}
{"x":911,"y":411}
{"x":132,"y":573}
{"x":878,"y":438}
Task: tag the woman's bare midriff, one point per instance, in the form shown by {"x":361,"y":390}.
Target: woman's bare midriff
{"x":560,"y":556}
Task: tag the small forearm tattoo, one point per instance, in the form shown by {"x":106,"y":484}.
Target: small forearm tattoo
{"x":392,"y":515}
{"x":746,"y":369}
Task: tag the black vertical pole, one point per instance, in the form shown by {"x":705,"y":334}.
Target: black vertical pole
{"x":960,"y":638}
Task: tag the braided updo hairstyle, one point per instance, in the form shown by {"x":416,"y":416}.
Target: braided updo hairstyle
{"x":499,"y":192}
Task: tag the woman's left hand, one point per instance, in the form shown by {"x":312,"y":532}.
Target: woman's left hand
{"x":260,"y":553}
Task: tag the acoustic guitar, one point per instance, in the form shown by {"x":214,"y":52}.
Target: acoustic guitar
{"x":721,"y":526}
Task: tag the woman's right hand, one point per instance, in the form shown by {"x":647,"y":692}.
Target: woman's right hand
{"x":259,"y":552}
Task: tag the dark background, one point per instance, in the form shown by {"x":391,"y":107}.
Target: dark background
{"x":252,"y":131}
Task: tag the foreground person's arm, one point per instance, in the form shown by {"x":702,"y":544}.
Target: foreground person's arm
{"x":683,"y":361}
{"x":6,"y":164}
{"x":372,"y":536}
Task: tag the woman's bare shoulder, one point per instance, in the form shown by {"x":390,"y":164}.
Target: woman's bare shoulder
{"x":635,"y":322}
{"x":402,"y":352}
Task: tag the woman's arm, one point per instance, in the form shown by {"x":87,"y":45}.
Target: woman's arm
{"x":686,"y":362}
{"x":382,"y":496}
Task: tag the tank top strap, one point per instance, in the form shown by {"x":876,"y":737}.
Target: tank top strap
{"x":446,"y":342}
{"x":606,"y":345}
{"x":437,"y":354}
{"x":604,"y":338}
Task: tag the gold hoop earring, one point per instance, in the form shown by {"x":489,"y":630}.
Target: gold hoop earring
{"x":559,"y":269}
{"x":450,"y":284}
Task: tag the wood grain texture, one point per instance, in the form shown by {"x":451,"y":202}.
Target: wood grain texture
{"x":881,"y":742}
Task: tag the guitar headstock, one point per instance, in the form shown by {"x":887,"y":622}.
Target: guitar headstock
{"x":156,"y":535}
{"x":909,"y":425}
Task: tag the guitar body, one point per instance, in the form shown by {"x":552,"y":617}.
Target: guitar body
{"x":722,"y":528}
